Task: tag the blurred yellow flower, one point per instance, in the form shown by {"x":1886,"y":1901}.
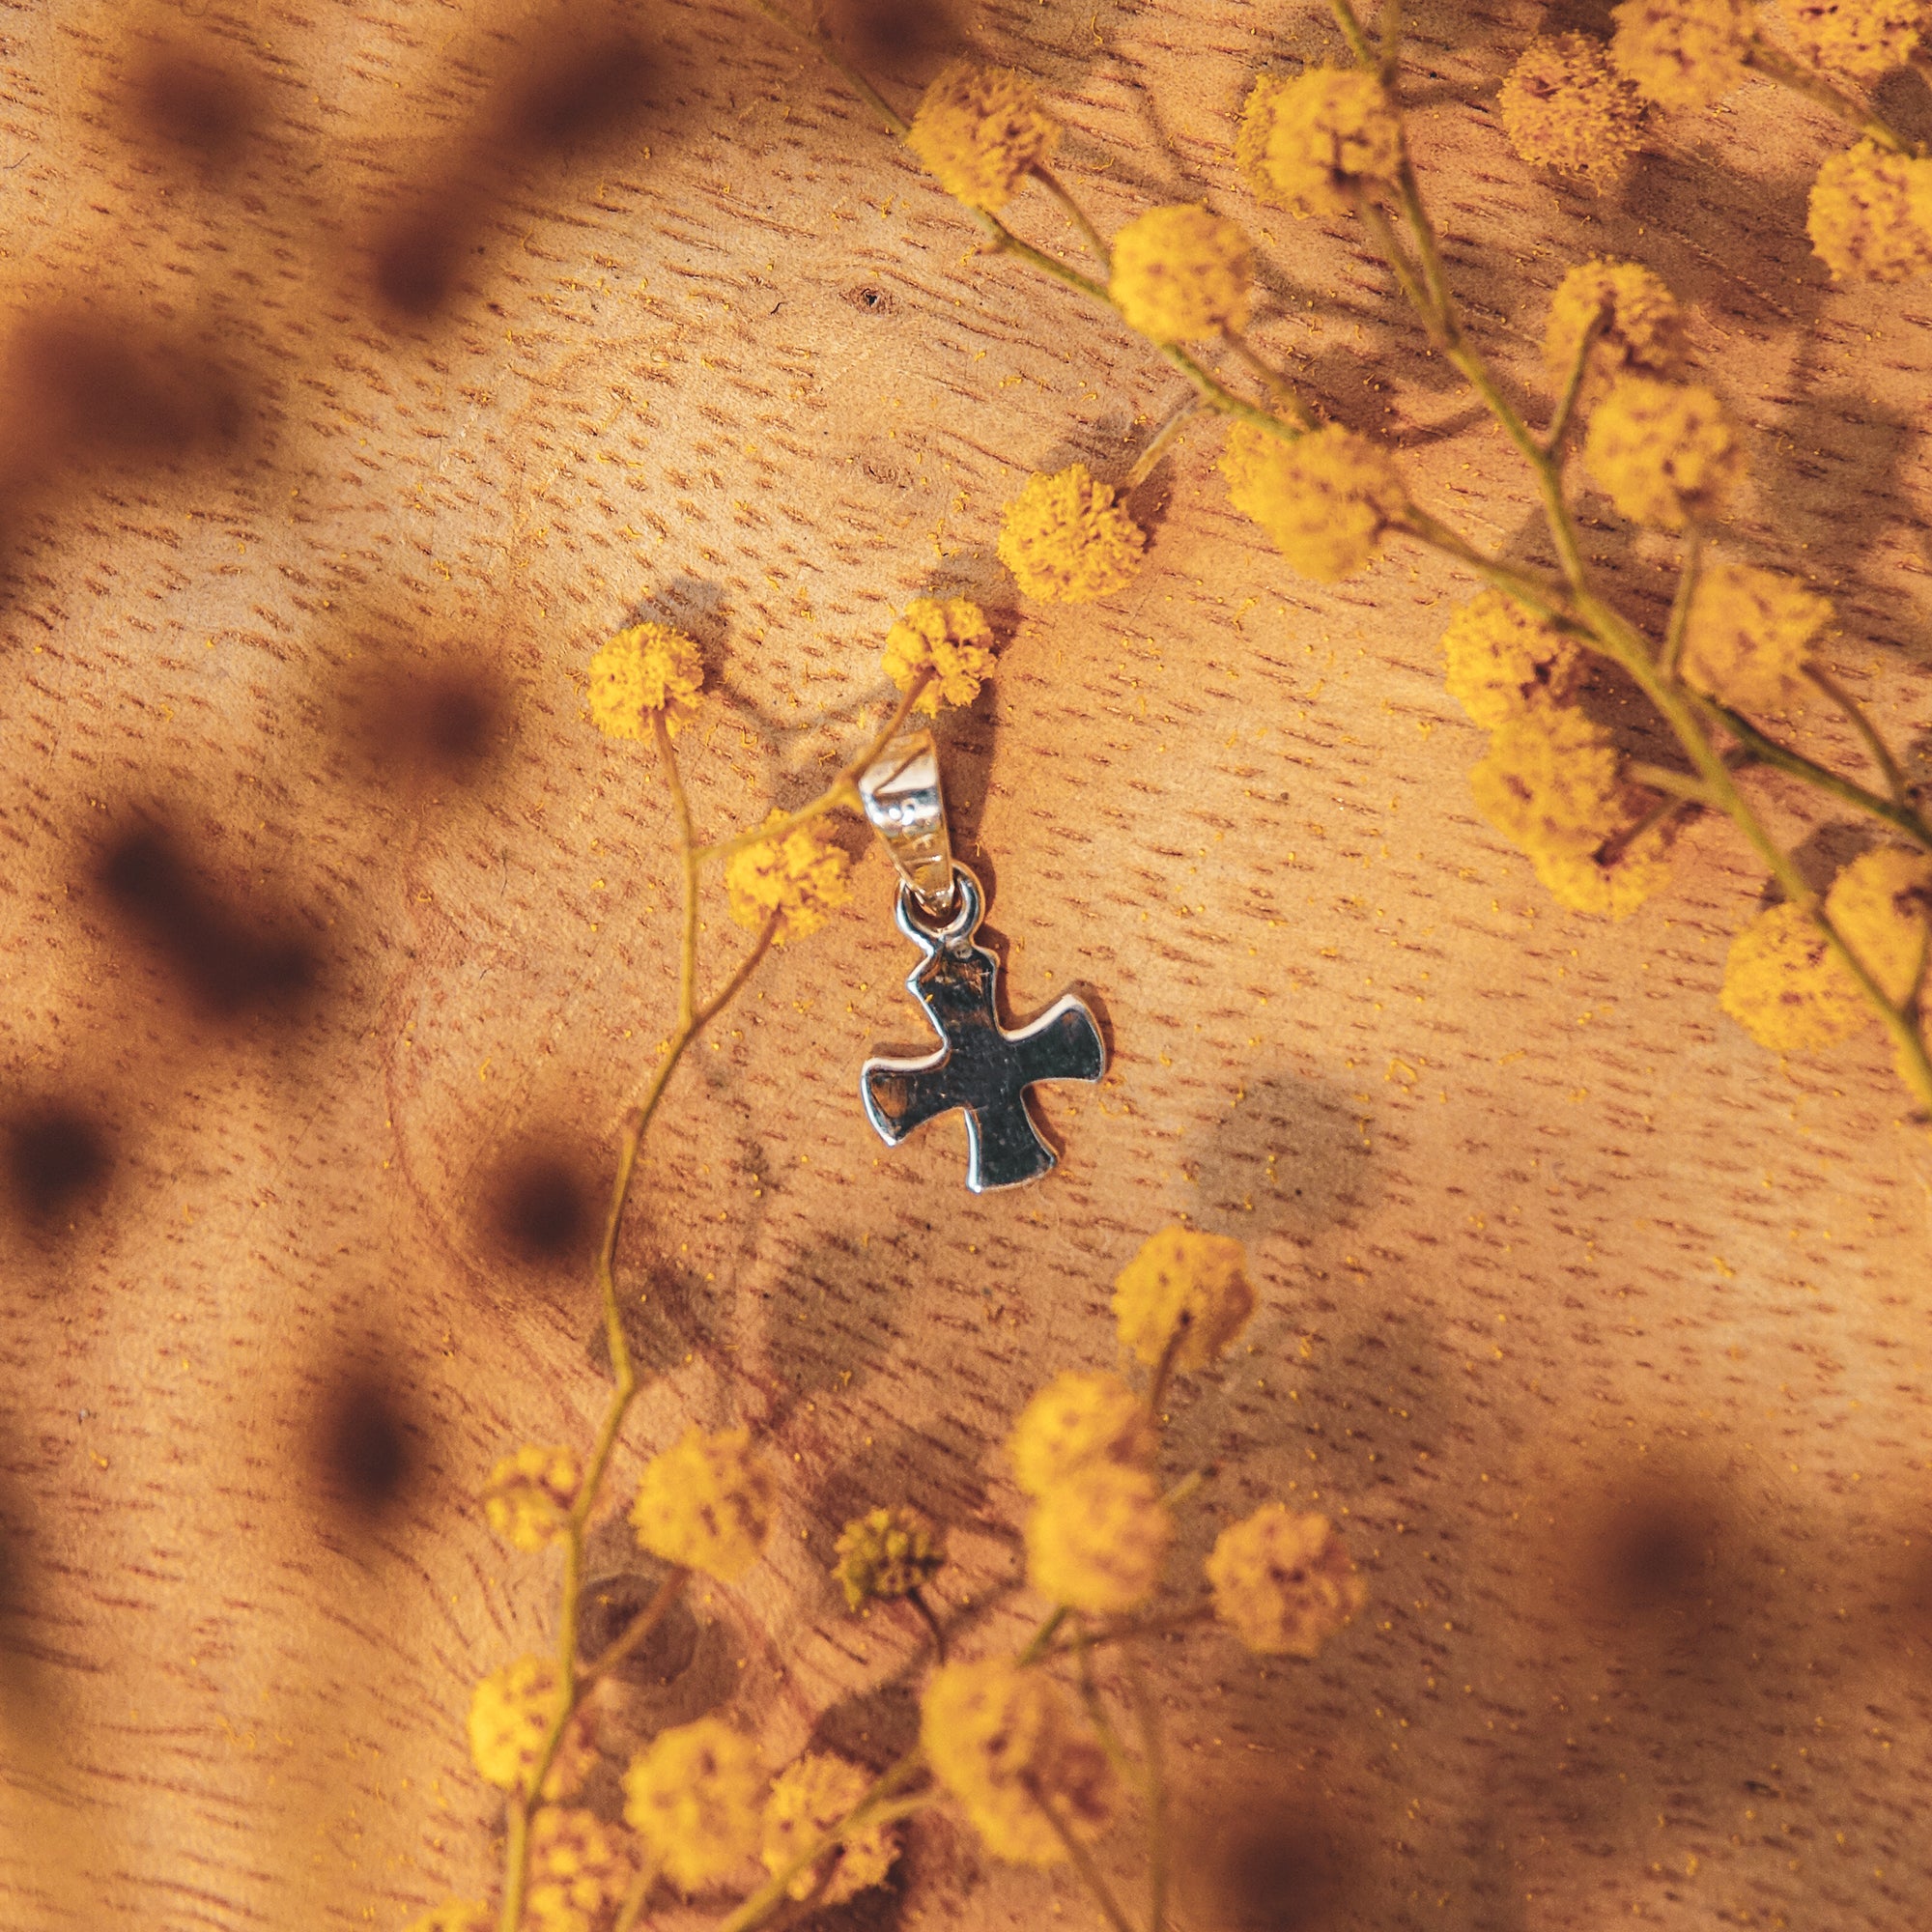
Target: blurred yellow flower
{"x":696,"y":1796}
{"x":1502,"y":657}
{"x":1614,"y":880}
{"x":1666,"y":452}
{"x":807,"y":1800}
{"x":510,"y":1715}
{"x":1864,"y":38}
{"x":578,"y":1870}
{"x":1308,"y":143}
{"x":1642,"y":332}
{"x":1786,"y":987}
{"x":1683,"y":54}
{"x":800,"y":877}
{"x":1186,"y":1283}
{"x":1327,"y":498}
{"x":455,"y":1915}
{"x":1748,"y":636}
{"x":707,"y":1503}
{"x":1001,"y":1740}
{"x":1564,"y":106}
{"x":529,"y":1494}
{"x":1870,"y":217}
{"x":1882,"y":906}
{"x":1097,"y":1540}
{"x":1284,"y":1582}
{"x":1078,"y":1418}
{"x":1182,"y":273}
{"x":978,"y":129}
{"x":1552,"y":783}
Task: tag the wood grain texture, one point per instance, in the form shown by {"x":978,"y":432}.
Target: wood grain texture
{"x":351,"y":402}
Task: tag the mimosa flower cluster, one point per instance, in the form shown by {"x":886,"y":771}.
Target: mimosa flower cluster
{"x":1034,"y":1769}
{"x":1579,"y":105}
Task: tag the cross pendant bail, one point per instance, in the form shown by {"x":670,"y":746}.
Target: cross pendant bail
{"x":907,"y":809}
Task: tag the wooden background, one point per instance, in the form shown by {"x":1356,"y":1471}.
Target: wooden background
{"x":365,"y":363}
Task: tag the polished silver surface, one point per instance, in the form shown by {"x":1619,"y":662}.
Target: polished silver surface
{"x":903,"y":800}
{"x":980,"y":1068}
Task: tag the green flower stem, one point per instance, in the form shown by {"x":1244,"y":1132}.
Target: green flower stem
{"x":693,"y":1019}
{"x":1776,"y":65}
{"x":1794,"y":764}
{"x":1190,"y":1485}
{"x":874,"y":1808}
{"x":1153,"y":1759}
{"x":687,"y":850}
{"x":1352,"y":32}
{"x":1370,"y":212}
{"x":1270,"y":378}
{"x":1388,"y":30}
{"x":1083,"y":1860}
{"x":1530,"y":588}
{"x":635,"y":1898}
{"x":1672,"y":653}
{"x":1075,"y":213}
{"x":1199,"y":1612}
{"x":1176,"y":420}
{"x":1881,"y":752}
{"x":637,"y":1630}
{"x":1675,"y":784}
{"x":842,"y":791}
{"x":1097,"y":1711}
{"x":1573,"y":384}
{"x":1043,"y":1638}
{"x":895,"y":122}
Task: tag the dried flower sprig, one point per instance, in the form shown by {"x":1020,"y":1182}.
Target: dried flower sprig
{"x":1664,"y":448}
{"x":1040,"y":1775}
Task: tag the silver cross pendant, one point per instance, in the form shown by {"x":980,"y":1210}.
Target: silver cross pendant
{"x":979,"y":1068}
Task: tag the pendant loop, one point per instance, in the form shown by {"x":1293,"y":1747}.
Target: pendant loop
{"x":907,"y":809}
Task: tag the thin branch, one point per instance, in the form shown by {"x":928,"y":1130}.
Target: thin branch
{"x":1083,"y":1860}
{"x":1130,"y":1632}
{"x":895,"y":122}
{"x":1794,"y":764}
{"x":1572,"y":383}
{"x":1861,"y":723}
{"x":1776,"y":65}
{"x":1270,"y":378}
{"x":1674,"y":784}
{"x":1672,"y":653}
{"x":1174,"y":422}
{"x":687,"y":849}
{"x":1154,"y":1757}
{"x":638,"y":1631}
{"x":1390,"y":31}
{"x":1352,"y":32}
{"x":1077,"y":215}
{"x":767,"y":936}
{"x":1097,"y":1711}
{"x":843,"y":791}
